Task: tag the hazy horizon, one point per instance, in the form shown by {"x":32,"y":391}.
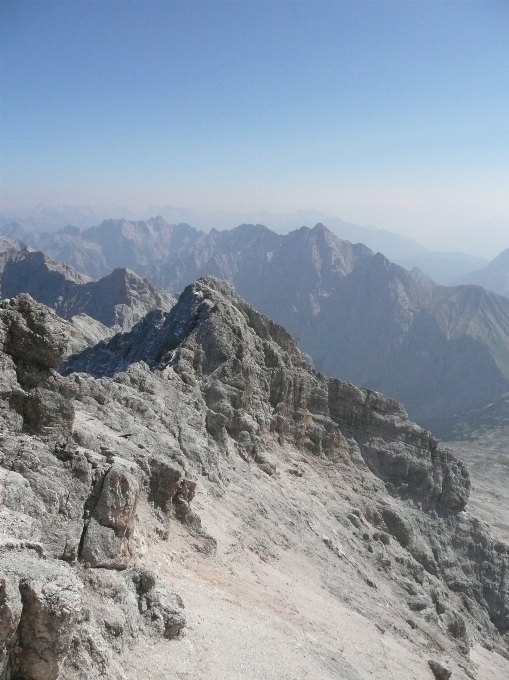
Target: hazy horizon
{"x":394,"y":114}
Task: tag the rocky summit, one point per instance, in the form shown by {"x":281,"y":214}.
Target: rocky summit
{"x":193,"y":499}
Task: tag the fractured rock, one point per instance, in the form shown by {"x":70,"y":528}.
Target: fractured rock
{"x":440,"y":670}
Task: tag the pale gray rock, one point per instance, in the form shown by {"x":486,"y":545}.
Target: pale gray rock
{"x":162,"y":608}
{"x":32,"y":333}
{"x":8,"y":249}
{"x":208,"y":406}
{"x":62,"y":506}
{"x":86,"y":332}
{"x":103,"y":548}
{"x":50,"y":595}
{"x":257,"y":387}
{"x":10,"y":615}
{"x":116,"y":506}
{"x":440,"y":670}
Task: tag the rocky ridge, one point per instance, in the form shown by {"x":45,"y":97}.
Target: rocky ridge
{"x":213,"y":406}
{"x":441,"y":351}
{"x":118,"y":300}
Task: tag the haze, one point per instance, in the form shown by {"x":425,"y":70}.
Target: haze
{"x":394,"y":114}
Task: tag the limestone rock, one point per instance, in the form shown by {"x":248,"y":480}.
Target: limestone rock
{"x":32,"y":333}
{"x":175,"y":426}
{"x":8,"y":249}
{"x":117,"y":503}
{"x":440,"y":670}
{"x":162,"y":608}
{"x":61,"y":506}
{"x":10,"y":614}
{"x":257,"y":392}
{"x":51,"y":604}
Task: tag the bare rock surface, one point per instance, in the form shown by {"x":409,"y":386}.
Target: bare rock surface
{"x":8,"y":249}
{"x":486,"y":454}
{"x":66,"y":511}
{"x":86,"y":332}
{"x":311,"y":529}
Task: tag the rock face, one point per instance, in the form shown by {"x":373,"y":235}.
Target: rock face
{"x":63,"y":507}
{"x":8,"y":249}
{"x":259,"y":392}
{"x":441,"y":351}
{"x":215,"y":401}
{"x":118,"y":300}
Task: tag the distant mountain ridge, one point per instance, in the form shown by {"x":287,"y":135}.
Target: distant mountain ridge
{"x":494,"y":276}
{"x":440,"y":351}
{"x":55,"y":219}
{"x":88,"y":248}
{"x":118,"y":300}
{"x":444,"y":268}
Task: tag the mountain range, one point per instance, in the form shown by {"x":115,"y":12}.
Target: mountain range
{"x":441,"y":351}
{"x":52,"y":219}
{"x":77,"y":245}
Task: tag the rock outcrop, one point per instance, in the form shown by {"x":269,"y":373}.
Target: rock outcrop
{"x":212,"y":404}
{"x":259,"y":392}
{"x":64,"y":510}
{"x":8,"y":249}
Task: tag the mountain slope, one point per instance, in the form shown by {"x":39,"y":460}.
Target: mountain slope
{"x":8,"y":248}
{"x":118,"y":300}
{"x":494,"y":276}
{"x":441,"y":351}
{"x":336,"y":544}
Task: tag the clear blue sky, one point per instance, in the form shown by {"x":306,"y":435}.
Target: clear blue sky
{"x":394,"y":113}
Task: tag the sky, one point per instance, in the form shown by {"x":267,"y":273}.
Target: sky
{"x":388,"y":113}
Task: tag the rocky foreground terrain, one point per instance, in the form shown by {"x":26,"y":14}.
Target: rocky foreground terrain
{"x":193,"y":500}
